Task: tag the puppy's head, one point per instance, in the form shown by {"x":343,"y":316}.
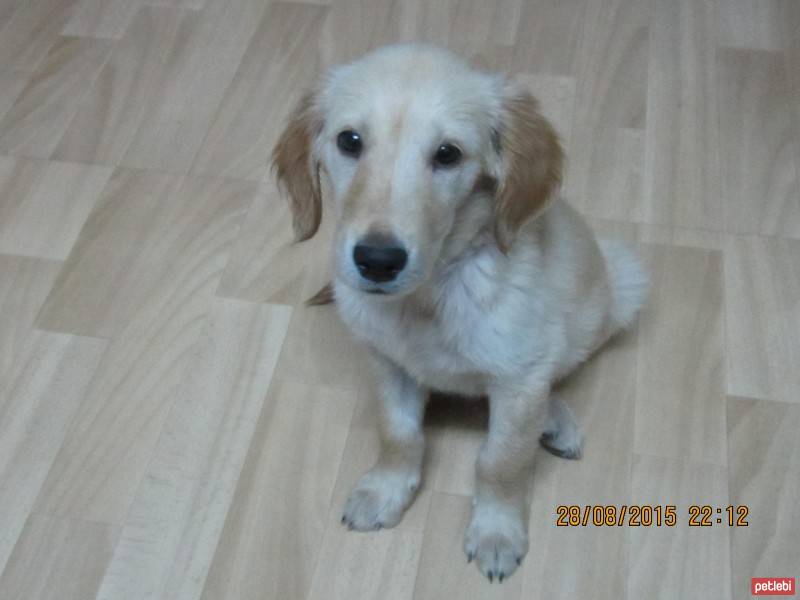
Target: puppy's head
{"x":424,"y":156}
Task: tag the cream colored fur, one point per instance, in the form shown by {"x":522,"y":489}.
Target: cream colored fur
{"x":506,"y":289}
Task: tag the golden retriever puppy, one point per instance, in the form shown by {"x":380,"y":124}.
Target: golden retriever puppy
{"x":458,"y":266}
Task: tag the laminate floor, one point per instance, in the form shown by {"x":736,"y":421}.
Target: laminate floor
{"x":176,"y":425}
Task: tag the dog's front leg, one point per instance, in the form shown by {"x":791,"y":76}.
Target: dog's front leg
{"x":382,"y":495}
{"x":497,"y":536}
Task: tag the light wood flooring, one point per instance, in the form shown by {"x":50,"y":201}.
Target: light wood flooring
{"x":176,"y":425}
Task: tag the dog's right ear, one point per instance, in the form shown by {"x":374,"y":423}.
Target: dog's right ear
{"x":298,"y":169}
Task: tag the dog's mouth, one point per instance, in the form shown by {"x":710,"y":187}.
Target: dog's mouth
{"x":387,"y":292}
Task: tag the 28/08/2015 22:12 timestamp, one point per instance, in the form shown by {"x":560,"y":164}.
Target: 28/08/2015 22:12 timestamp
{"x":646,"y":515}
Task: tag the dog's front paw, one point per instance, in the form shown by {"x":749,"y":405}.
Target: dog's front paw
{"x":497,"y":539}
{"x":379,"y":499}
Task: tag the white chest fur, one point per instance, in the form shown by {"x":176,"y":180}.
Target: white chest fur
{"x":478,"y":323}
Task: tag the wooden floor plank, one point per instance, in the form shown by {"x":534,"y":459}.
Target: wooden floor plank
{"x":751,"y":24}
{"x":455,"y":429}
{"x":605,"y":172}
{"x":7,"y":10}
{"x":190,"y":4}
{"x":319,"y":350}
{"x":764,"y":476}
{"x":44,"y":108}
{"x":30,"y":30}
{"x":101,"y":18}
{"x":155,"y":326}
{"x":24,"y":285}
{"x":38,"y":400}
{"x":152,"y":239}
{"x":208,"y":49}
{"x":269,"y":545}
{"x":548,"y":35}
{"x":11,"y":85}
{"x":354,"y":27}
{"x":43,"y":205}
{"x":789,"y":18}
{"x":611,"y":64}
{"x":113,"y":109}
{"x":263,"y":92}
{"x":171,"y":530}
{"x":161,"y":88}
{"x":606,"y":148}
{"x":763,"y":318}
{"x":681,"y":162}
{"x":681,"y":561}
{"x":58,"y":559}
{"x":266,"y":264}
{"x":760,"y":184}
{"x":465,"y":26}
{"x":680,"y":404}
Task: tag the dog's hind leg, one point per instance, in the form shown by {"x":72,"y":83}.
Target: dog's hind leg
{"x":561,"y":436}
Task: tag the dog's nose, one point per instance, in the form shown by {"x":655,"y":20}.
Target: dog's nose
{"x":379,"y":258}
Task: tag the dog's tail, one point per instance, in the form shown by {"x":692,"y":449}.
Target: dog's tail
{"x":629,"y":283}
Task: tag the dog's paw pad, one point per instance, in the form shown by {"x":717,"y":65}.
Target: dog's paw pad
{"x":379,"y":500}
{"x":497,"y":543}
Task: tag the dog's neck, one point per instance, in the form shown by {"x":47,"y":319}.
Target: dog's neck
{"x":456,"y":260}
{"x":464,"y":262}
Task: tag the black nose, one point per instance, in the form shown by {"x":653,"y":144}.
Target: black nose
{"x":379,"y":258}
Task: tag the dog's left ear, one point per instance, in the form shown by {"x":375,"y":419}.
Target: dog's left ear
{"x":531,"y":159}
{"x":298,"y":169}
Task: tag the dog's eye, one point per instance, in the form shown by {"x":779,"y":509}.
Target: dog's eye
{"x":349,"y":142}
{"x":446,"y":155}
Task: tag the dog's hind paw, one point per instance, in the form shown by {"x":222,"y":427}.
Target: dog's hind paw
{"x":562,"y":437}
{"x":555,"y":447}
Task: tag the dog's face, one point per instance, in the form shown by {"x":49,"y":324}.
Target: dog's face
{"x":422,"y":154}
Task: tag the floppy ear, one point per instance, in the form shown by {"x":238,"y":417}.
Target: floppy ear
{"x":298,"y":170}
{"x":531,"y":159}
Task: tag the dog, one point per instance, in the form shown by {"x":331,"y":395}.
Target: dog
{"x":459,"y":267}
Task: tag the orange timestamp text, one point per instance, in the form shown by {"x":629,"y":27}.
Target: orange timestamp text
{"x":647,"y":515}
